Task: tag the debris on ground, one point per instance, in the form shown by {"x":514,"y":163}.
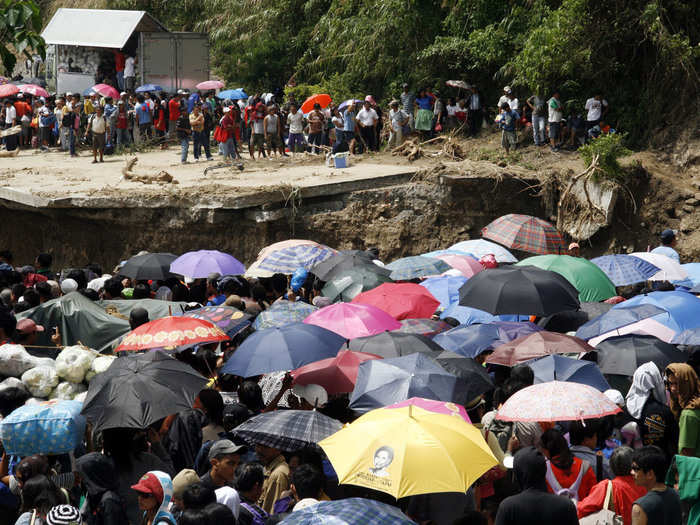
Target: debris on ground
{"x":160,"y":177}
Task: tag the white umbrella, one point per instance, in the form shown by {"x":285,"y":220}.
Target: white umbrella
{"x":670,"y":269}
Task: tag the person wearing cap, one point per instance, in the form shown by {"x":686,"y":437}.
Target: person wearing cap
{"x":399,"y":119}
{"x":574,"y":249}
{"x":27,"y":332}
{"x":224,"y":457}
{"x":407,"y":99}
{"x":155,"y":492}
{"x":184,"y":480}
{"x":504,"y":97}
{"x":668,"y":242}
{"x":367,"y":120}
{"x":276,"y":476}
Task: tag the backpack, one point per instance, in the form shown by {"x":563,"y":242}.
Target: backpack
{"x":259,"y":515}
{"x":572,"y":491}
{"x":67,"y":120}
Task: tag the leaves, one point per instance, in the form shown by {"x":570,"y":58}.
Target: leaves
{"x":20,"y":24}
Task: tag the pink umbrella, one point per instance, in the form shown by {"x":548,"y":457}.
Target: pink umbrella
{"x":105,"y":90}
{"x":353,"y":320}
{"x":556,"y":401}
{"x":7,"y":90}
{"x":467,"y":266}
{"x":33,"y":89}
{"x":210,"y":84}
{"x":439,"y":407}
{"x":647,"y":326}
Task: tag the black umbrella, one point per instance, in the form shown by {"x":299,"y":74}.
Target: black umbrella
{"x":394,"y":344}
{"x":149,"y":266}
{"x":622,"y":355}
{"x":522,"y":290}
{"x":474,"y":375}
{"x":138,"y":390}
{"x":563,"y":322}
{"x":345,"y":261}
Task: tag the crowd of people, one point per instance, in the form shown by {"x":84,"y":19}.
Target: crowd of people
{"x":267,"y":125}
{"x":192,"y":469}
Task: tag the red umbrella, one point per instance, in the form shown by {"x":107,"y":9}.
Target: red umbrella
{"x":337,"y":374}
{"x":401,"y":300}
{"x":34,"y":90}
{"x":210,"y":84}
{"x":7,"y":90}
{"x":171,"y":332}
{"x":537,"y":345}
{"x":106,"y":91}
{"x":323,"y":100}
{"x":526,"y":233}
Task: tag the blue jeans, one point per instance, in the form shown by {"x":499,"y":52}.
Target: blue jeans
{"x":230,"y":148}
{"x":184,"y":146}
{"x":197,"y":142}
{"x":71,"y":140}
{"x":122,"y":137}
{"x":120,"y":80}
{"x":538,"y":129}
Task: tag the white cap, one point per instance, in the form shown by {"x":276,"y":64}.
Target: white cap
{"x":122,"y":93}
{"x":69,"y":94}
{"x":19,"y":95}
{"x":615,"y":396}
{"x":507,"y":89}
{"x":227,"y":109}
{"x":69,"y":285}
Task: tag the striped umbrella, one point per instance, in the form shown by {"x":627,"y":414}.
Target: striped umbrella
{"x":624,"y":269}
{"x":283,"y":313}
{"x":525,"y":233}
{"x":291,"y":258}
{"x":416,"y":266}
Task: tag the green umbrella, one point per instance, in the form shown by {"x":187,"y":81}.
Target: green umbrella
{"x":349,"y":283}
{"x":590,"y":281}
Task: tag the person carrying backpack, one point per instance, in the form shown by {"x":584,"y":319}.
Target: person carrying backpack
{"x":566,"y":475}
{"x":103,"y":505}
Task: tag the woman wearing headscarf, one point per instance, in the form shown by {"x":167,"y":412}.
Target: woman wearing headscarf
{"x":646,"y":403}
{"x":684,"y":386}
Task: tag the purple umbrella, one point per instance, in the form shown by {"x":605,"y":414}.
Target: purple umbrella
{"x":203,"y":263}
{"x":345,"y":104}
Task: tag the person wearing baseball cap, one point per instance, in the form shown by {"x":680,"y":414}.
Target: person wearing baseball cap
{"x":27,"y":332}
{"x":574,"y":249}
{"x":155,"y":491}
{"x":668,"y":242}
{"x":224,"y":457}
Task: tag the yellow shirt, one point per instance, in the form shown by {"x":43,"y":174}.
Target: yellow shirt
{"x":276,"y":482}
{"x":89,"y":107}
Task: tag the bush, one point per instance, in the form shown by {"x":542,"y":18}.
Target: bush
{"x":609,"y":149}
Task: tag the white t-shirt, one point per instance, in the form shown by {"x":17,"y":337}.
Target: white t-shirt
{"x":338,"y":123}
{"x":595,"y":108}
{"x":98,"y":124}
{"x":555,"y":114}
{"x":367,"y":117}
{"x":296,"y":122}
{"x":129,"y":67}
{"x":514,"y":103}
{"x":10,"y":114}
{"x":451,"y":110}
{"x":502,"y":100}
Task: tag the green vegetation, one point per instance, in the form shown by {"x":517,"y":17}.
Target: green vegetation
{"x":20,"y":25}
{"x":609,"y":149}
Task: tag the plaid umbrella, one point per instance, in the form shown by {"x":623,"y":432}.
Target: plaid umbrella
{"x":351,"y":511}
{"x":625,"y":269}
{"x":287,"y":430}
{"x":426,"y":327}
{"x":417,"y":266}
{"x":229,"y":319}
{"x":291,"y":258}
{"x":526,"y":233}
{"x":283,"y":313}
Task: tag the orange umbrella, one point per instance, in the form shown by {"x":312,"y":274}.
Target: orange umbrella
{"x":171,"y":332}
{"x":323,"y":100}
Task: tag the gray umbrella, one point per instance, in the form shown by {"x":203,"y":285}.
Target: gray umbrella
{"x":394,"y":344}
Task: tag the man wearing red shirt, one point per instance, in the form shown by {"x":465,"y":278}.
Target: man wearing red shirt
{"x":22,"y":108}
{"x":119,"y":62}
{"x":173,"y":114}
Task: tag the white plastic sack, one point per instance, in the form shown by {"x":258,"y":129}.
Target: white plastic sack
{"x":40,"y":381}
{"x":67,"y":390}
{"x":45,"y":361}
{"x":12,"y":382}
{"x":99,"y":365}
{"x":73,"y":363}
{"x":15,"y":360}
{"x":80,"y":397}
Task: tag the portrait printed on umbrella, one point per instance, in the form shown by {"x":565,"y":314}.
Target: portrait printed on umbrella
{"x":383,"y":457}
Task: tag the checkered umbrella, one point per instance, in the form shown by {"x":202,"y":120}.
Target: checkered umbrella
{"x":287,"y":430}
{"x":526,"y":233}
{"x":351,"y":511}
{"x":291,"y":258}
{"x":417,"y":266}
{"x":624,"y":269}
{"x":283,"y":313}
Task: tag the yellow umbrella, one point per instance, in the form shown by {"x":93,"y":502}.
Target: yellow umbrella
{"x":410,"y":450}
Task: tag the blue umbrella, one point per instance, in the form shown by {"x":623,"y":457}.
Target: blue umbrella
{"x":445,"y":288}
{"x":151,"y":88}
{"x":382,"y":382}
{"x":232,"y":94}
{"x":481,"y":247}
{"x":693,"y":270}
{"x":285,"y":348}
{"x":289,"y":259}
{"x":683,"y":308}
{"x":624,"y":269}
{"x":345,"y":104}
{"x":560,"y":368}
{"x":203,"y":263}
{"x":87,"y":92}
{"x":617,"y":318}
{"x":467,"y":315}
{"x":472,"y":340}
{"x":416,"y":266}
{"x":687,"y":337}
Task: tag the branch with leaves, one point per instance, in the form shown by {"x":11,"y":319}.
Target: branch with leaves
{"x":20,"y":25}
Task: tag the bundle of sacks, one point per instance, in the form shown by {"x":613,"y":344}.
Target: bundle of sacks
{"x":66,"y":377}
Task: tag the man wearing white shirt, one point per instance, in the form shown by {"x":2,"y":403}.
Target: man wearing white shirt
{"x":130,"y":73}
{"x":668,"y":242}
{"x":367,"y":119}
{"x":597,"y":107}
{"x":504,"y":98}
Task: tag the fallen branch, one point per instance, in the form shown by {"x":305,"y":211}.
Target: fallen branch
{"x":161,"y":176}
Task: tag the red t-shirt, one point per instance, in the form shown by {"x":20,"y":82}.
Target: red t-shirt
{"x":122,"y":120}
{"x":173,"y":109}
{"x":119,"y":60}
{"x":625,"y":493}
{"x":22,"y":108}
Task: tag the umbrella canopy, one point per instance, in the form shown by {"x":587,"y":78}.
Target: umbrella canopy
{"x":171,"y":332}
{"x":149,"y":266}
{"x":591,"y":282}
{"x":416,"y":266}
{"x":232,"y":94}
{"x":647,"y":326}
{"x":472,"y":340}
{"x":8,"y":90}
{"x":287,"y":430}
{"x":343,"y":106}
{"x":560,"y":368}
{"x":625,"y":269}
{"x":285,"y":348}
{"x":394,"y":344}
{"x":385,"y":381}
{"x":444,"y":288}
{"x":351,"y":511}
{"x":228,"y":319}
{"x":670,"y":270}
{"x":336,"y":374}
{"x":282,"y":313}
{"x":409,"y":450}
{"x":203,"y":263}
{"x":33,"y":89}
{"x":688,"y":337}
{"x":138,"y":390}
{"x":622,"y":355}
{"x":693,"y":271}
{"x":353,"y":320}
{"x":322,"y":100}
{"x":208,"y":85}
{"x":683,"y":308}
{"x":426,"y":327}
{"x":339,"y":263}
{"x":556,"y":401}
{"x":466,"y":265}
{"x":291,"y":258}
{"x":148,"y":88}
{"x":472,"y":373}
{"x":481,"y":247}
{"x":461,"y":84}
{"x":519,"y":290}
{"x":467,"y":315}
{"x":525,"y":233}
{"x":537,"y":345}
{"x":105,"y":90}
{"x":349,"y":284}
{"x":401,"y":300}
{"x":617,"y":318}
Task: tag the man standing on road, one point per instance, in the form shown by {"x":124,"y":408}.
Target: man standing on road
{"x":556,"y":113}
{"x":399,"y":118}
{"x":184,"y":131}
{"x":475,"y":113}
{"x":143,"y":114}
{"x":407,"y":100}
{"x":367,"y":121}
{"x":130,"y":73}
{"x":99,"y":128}
{"x":538,"y":106}
{"x":173,"y":113}
{"x":273,"y":131}
{"x":197,"y":126}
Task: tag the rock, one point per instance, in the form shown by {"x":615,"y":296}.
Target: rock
{"x":697,"y":196}
{"x":692,"y":201}
{"x":688,"y":209}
